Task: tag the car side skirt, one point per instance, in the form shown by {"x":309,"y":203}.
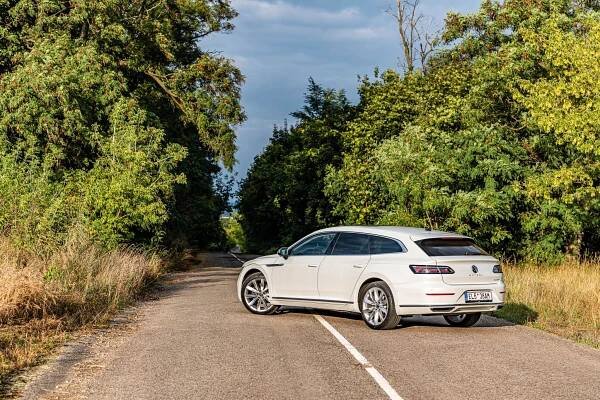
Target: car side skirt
{"x":325,"y":304}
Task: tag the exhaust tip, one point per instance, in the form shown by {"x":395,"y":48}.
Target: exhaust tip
{"x":441,"y":309}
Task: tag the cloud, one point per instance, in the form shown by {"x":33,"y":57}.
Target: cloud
{"x":291,"y":13}
{"x":362,"y":33}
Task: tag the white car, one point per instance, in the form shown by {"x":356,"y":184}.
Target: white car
{"x":382,"y":273}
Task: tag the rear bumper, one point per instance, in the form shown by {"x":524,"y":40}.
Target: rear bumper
{"x":440,"y":298}
{"x":440,"y":309}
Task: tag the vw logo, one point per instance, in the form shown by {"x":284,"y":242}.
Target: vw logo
{"x":474,"y":269}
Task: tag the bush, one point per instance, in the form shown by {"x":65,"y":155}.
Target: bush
{"x":235,"y":233}
{"x":35,"y":212}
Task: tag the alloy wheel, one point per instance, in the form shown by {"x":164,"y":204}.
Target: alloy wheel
{"x":256,"y":294}
{"x":456,"y":319}
{"x":375,"y":306}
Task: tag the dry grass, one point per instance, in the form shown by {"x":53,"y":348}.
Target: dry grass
{"x":563,"y":299}
{"x":43,"y":298}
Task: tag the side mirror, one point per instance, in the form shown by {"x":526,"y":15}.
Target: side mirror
{"x":283,"y":252}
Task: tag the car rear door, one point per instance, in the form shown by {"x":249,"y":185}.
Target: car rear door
{"x":339,"y":271}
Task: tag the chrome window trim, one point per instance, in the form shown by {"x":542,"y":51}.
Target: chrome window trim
{"x":404,"y":249}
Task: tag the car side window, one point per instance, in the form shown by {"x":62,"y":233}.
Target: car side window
{"x":381,"y":245}
{"x":314,"y":246}
{"x":351,"y":244}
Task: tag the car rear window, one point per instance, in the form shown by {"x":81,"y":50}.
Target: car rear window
{"x":351,"y":244}
{"x":381,"y":245}
{"x":450,"y":247}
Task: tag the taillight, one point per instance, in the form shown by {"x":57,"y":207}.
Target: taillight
{"x":431,"y":269}
{"x":497,"y":269}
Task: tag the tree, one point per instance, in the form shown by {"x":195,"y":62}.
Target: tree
{"x":282,"y":197}
{"x":563,"y":106}
{"x":461,"y":181}
{"x":497,"y":139}
{"x":118,"y":100}
{"x":417,"y":43}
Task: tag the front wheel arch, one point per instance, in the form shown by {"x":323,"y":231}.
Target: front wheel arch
{"x":270,"y":308}
{"x":250,"y":271}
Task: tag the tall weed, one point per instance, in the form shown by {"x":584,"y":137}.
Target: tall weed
{"x":44,"y":295}
{"x":562,"y":299}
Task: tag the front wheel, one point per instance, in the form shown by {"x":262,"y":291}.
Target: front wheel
{"x":462,"y":320}
{"x":377,"y":306}
{"x":255,"y":295}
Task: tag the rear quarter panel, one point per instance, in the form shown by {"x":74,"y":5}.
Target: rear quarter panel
{"x":394,"y":270}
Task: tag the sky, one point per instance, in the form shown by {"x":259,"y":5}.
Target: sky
{"x":279,"y":44}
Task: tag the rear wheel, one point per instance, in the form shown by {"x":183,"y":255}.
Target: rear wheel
{"x":462,"y":320}
{"x":377,"y":306}
{"x":255,"y":295}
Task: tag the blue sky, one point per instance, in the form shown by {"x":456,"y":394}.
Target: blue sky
{"x":279,"y":44}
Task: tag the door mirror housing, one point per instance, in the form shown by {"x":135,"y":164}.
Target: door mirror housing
{"x":283,"y":252}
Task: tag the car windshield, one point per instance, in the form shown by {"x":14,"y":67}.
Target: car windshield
{"x":450,"y":247}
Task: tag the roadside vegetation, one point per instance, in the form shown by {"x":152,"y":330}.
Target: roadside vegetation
{"x":43,"y":299}
{"x":234,"y":232}
{"x":563,"y":299}
{"x":114,"y":125}
{"x":492,"y":130}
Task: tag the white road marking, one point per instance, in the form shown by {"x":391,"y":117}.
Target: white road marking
{"x":236,"y":257}
{"x":381,"y":381}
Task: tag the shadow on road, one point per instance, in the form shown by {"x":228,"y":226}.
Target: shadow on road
{"x":519,"y":313}
{"x":406,"y":322}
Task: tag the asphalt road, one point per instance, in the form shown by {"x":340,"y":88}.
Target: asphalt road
{"x":196,"y":341}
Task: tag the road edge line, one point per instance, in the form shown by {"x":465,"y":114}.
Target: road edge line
{"x":236,"y":257}
{"x":379,"y":379}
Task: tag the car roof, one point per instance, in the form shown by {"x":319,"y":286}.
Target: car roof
{"x":398,"y":232}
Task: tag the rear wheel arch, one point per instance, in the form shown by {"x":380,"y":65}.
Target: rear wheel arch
{"x":370,"y":280}
{"x":380,"y":313}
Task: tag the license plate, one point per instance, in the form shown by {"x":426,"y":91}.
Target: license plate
{"x":477,"y":296}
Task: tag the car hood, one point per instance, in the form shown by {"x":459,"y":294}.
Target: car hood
{"x":270,"y":259}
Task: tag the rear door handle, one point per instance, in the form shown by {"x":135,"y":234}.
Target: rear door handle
{"x":358,"y":266}
{"x":313,"y":266}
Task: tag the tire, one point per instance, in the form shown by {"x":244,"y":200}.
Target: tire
{"x":255,"y":295}
{"x":462,"y":320}
{"x":377,"y":307}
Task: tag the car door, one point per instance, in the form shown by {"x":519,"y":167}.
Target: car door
{"x":339,"y":271}
{"x":296,"y":278}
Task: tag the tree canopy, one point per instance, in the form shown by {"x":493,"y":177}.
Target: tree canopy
{"x":496,"y":138}
{"x":114,"y":107}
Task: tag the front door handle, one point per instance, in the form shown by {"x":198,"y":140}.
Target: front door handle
{"x":313,"y":266}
